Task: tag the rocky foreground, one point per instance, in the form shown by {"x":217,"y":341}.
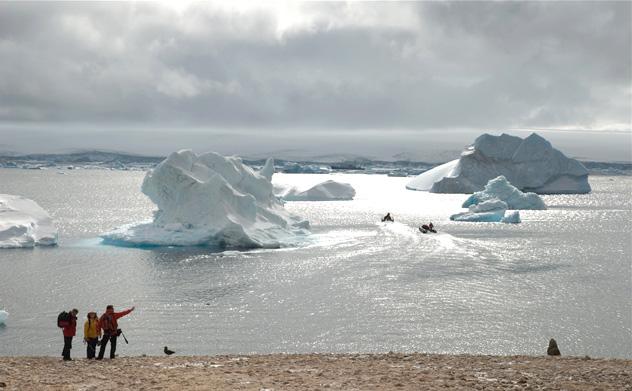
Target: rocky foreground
{"x":317,"y":372}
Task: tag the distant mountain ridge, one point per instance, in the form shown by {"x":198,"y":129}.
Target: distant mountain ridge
{"x":123,"y":160}
{"x":90,"y":156}
{"x":86,"y":159}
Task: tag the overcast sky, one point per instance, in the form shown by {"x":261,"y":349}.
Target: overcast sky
{"x":308,"y":70}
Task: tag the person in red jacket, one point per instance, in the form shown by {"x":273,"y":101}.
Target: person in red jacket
{"x":109,"y":326}
{"x":69,"y":330}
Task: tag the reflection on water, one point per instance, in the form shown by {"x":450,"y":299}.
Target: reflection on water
{"x":354,"y":285}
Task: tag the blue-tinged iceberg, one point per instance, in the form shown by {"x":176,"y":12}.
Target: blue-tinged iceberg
{"x":500,"y":189}
{"x":211,"y":200}
{"x":490,"y":211}
{"x":492,"y":203}
{"x":530,"y":164}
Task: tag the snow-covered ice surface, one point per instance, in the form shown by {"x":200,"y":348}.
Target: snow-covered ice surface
{"x":211,"y":200}
{"x":4,"y":315}
{"x":530,"y":164}
{"x":355,"y":285}
{"x":23,"y":223}
{"x":326,"y":191}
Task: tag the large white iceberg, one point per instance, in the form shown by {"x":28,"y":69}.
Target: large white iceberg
{"x":530,"y":164}
{"x":211,"y":200}
{"x":326,"y":191}
{"x":23,"y":223}
{"x":4,"y":315}
{"x":500,"y":189}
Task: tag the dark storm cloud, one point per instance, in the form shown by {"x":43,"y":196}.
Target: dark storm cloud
{"x":323,"y":65}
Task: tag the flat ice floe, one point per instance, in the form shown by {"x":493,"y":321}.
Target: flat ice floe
{"x":530,"y":164}
{"x":491,"y":211}
{"x":326,"y":191}
{"x":23,"y":223}
{"x":488,"y":212}
{"x":211,"y":200}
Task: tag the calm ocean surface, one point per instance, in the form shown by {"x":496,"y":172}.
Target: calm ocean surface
{"x":355,"y":285}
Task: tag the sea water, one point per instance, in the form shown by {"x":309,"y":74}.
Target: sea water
{"x":354,"y":285}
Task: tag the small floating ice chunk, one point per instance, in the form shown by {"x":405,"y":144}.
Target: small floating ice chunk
{"x":211,"y":200}
{"x":326,"y":191}
{"x":512,"y":217}
{"x":23,"y":223}
{"x":4,"y":315}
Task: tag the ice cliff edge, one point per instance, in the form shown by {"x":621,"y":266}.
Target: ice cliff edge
{"x":211,"y":200}
{"x":530,"y":164}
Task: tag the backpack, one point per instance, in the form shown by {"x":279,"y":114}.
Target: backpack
{"x":106,"y":323}
{"x":63,"y":319}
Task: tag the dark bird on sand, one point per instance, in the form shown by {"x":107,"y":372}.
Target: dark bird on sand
{"x":168,"y":352}
{"x":553,"y":350}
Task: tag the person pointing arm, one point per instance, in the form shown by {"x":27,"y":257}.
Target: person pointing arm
{"x":118,"y":315}
{"x":109,"y":325}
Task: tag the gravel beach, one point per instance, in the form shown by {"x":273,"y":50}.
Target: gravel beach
{"x":316,"y":372}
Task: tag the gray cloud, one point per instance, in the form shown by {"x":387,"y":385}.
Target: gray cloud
{"x":318,"y":65}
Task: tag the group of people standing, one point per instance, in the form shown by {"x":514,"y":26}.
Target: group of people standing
{"x":105,"y":327}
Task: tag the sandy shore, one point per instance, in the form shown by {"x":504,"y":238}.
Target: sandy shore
{"x":316,"y":372}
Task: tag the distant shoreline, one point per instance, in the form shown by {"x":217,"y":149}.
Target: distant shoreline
{"x":392,"y":371}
